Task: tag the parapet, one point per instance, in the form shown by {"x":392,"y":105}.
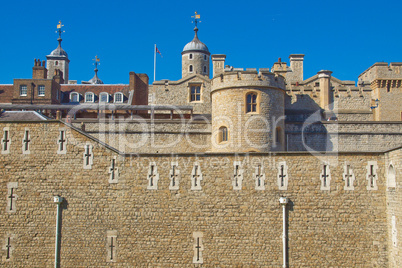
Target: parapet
{"x":239,"y":78}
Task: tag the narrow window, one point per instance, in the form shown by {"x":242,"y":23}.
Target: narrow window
{"x":9,"y":248}
{"x":278,"y":136}
{"x":5,"y":141}
{"x":62,"y":148}
{"x":205,"y":69}
{"x":237,"y":175}
{"x":372,"y":176}
{"x":23,"y":90}
{"x":205,"y":57}
{"x":190,"y":56}
{"x":394,"y":231}
{"x":174,"y":176}
{"x":251,"y":103}
{"x":113,"y":171}
{"x":223,"y":134}
{"x":11,"y":196}
{"x":325,"y":177}
{"x":283,"y":177}
{"x":198,"y":247}
{"x":153,"y":177}
{"x":41,"y":90}
{"x":190,"y":68}
{"x":348,"y":177}
{"x":111,"y":246}
{"x":195,"y":94}
{"x":88,"y":156}
{"x":25,"y":142}
{"x":56,"y":63}
{"x":196,"y":177}
{"x":391,"y":176}
{"x":259,"y":177}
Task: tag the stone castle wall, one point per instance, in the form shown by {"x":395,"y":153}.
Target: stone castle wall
{"x":394,"y":201}
{"x":335,"y":227}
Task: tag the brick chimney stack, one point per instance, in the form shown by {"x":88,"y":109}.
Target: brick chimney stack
{"x":58,"y":76}
{"x":39,"y":70}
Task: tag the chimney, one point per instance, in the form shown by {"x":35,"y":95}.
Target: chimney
{"x":58,"y":76}
{"x":139,"y":83}
{"x":324,"y":77}
{"x":218,"y":64}
{"x":296,"y":64}
{"x":38,"y":71}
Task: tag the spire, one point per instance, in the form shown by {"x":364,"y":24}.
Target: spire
{"x":196,"y":44}
{"x":60,"y":31}
{"x":95,"y":79}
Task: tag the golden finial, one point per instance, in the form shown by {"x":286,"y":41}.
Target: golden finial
{"x":196,"y":18}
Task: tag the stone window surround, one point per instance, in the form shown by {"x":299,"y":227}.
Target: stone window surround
{"x":326,"y":187}
{"x":64,"y":151}
{"x":285,"y":174}
{"x":26,"y":149}
{"x":111,"y":246}
{"x":374,"y":170}
{"x":8,"y":240}
{"x":190,"y":97}
{"x":198,"y":247}
{"x":3,"y":142}
{"x":190,"y":68}
{"x":13,"y":209}
{"x":196,"y":174}
{"x":90,"y":158}
{"x":174,"y":165}
{"x":259,"y":171}
{"x":152,"y":171}
{"x":114,"y":171}
{"x":223,"y":136}
{"x":237,"y":168}
{"x":190,"y":56}
{"x":391,"y":176}
{"x":350,"y":176}
{"x":257,"y":103}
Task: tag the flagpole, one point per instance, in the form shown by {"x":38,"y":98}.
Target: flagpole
{"x":154,"y":61}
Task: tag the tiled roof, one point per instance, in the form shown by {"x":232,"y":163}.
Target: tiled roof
{"x":97,"y":89}
{"x":21,"y":116}
{"x":6,"y":93}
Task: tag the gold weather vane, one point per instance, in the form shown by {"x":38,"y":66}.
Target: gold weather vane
{"x":97,"y":60}
{"x":59,"y":30}
{"x":196,"y":18}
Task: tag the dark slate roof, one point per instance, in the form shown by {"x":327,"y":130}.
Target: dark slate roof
{"x":21,"y":116}
{"x":95,"y":88}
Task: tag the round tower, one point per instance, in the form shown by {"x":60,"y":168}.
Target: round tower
{"x":58,"y":59}
{"x":248,"y":111}
{"x":195,"y":57}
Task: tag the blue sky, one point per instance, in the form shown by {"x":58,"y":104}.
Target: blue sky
{"x":345,"y":37}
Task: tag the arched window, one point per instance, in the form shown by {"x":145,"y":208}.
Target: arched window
{"x":74,"y":97}
{"x":190,"y":56}
{"x":205,"y":57}
{"x":118,"y":97}
{"x":205,"y":69}
{"x":223,"y":134}
{"x":104,"y":97}
{"x":190,"y":68}
{"x":391,"y":176}
{"x":89,"y":97}
{"x":251,"y":103}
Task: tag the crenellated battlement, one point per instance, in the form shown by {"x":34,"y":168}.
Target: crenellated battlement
{"x":250,"y":77}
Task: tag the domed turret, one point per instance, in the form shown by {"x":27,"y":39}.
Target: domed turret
{"x":58,"y":59}
{"x":195,"y":57}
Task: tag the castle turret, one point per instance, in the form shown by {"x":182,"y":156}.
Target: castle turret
{"x":195,"y":57}
{"x":248,"y":111}
{"x":218,"y":64}
{"x":58,"y":59}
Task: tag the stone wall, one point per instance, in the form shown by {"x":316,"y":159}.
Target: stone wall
{"x":394,"y":201}
{"x":343,"y":136}
{"x":326,"y":228}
